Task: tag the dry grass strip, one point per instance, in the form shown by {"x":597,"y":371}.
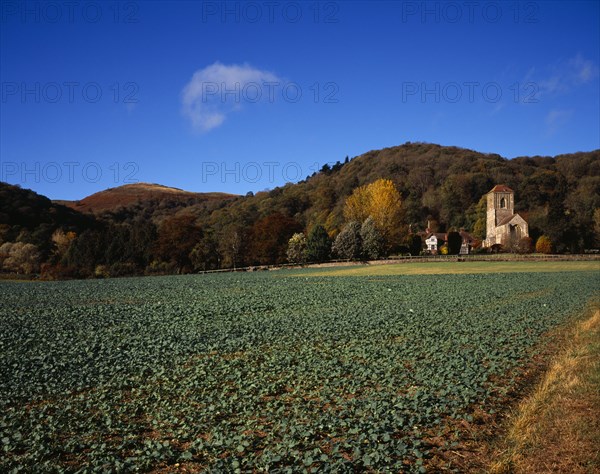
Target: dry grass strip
{"x":557,"y":428}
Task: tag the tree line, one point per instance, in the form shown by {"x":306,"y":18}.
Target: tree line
{"x":370,"y":206}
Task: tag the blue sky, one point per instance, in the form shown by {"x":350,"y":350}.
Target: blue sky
{"x":244,"y":96}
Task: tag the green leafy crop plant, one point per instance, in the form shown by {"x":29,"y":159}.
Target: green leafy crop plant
{"x":257,"y":372}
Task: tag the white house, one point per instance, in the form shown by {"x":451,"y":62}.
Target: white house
{"x":434,"y":241}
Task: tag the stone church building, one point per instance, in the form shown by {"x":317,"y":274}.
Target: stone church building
{"x":503,"y":225}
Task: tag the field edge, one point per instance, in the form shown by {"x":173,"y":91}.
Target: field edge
{"x":557,"y":425}
{"x":451,"y":268}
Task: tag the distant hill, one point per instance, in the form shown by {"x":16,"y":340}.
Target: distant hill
{"x":129,"y":195}
{"x":149,"y":228}
{"x":30,"y":217}
{"x":25,"y":209}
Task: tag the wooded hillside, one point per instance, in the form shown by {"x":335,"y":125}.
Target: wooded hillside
{"x":559,"y":197}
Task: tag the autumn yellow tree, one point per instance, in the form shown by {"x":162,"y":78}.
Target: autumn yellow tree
{"x":382,"y":202}
{"x":358,"y":204}
{"x":543,"y":244}
{"x":62,"y":241}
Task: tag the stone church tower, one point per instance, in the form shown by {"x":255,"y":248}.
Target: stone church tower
{"x":503,"y":225}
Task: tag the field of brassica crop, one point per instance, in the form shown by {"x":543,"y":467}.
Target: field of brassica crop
{"x":281,"y":371}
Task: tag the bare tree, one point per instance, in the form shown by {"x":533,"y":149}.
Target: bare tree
{"x":20,"y":257}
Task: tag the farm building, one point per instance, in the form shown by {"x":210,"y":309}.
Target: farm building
{"x":434,"y":241}
{"x":467,"y":242}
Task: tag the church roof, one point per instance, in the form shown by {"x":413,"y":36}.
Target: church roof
{"x":507,"y":219}
{"x":501,"y":188}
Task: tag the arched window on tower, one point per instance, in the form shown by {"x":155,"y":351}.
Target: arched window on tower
{"x":503,"y":203}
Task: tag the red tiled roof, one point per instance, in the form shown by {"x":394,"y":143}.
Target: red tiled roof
{"x":465,"y":236}
{"x":501,"y":188}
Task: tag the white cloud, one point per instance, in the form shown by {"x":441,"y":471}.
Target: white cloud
{"x":584,"y":70}
{"x":556,"y":119}
{"x":219,"y":89}
{"x":564,"y":76}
